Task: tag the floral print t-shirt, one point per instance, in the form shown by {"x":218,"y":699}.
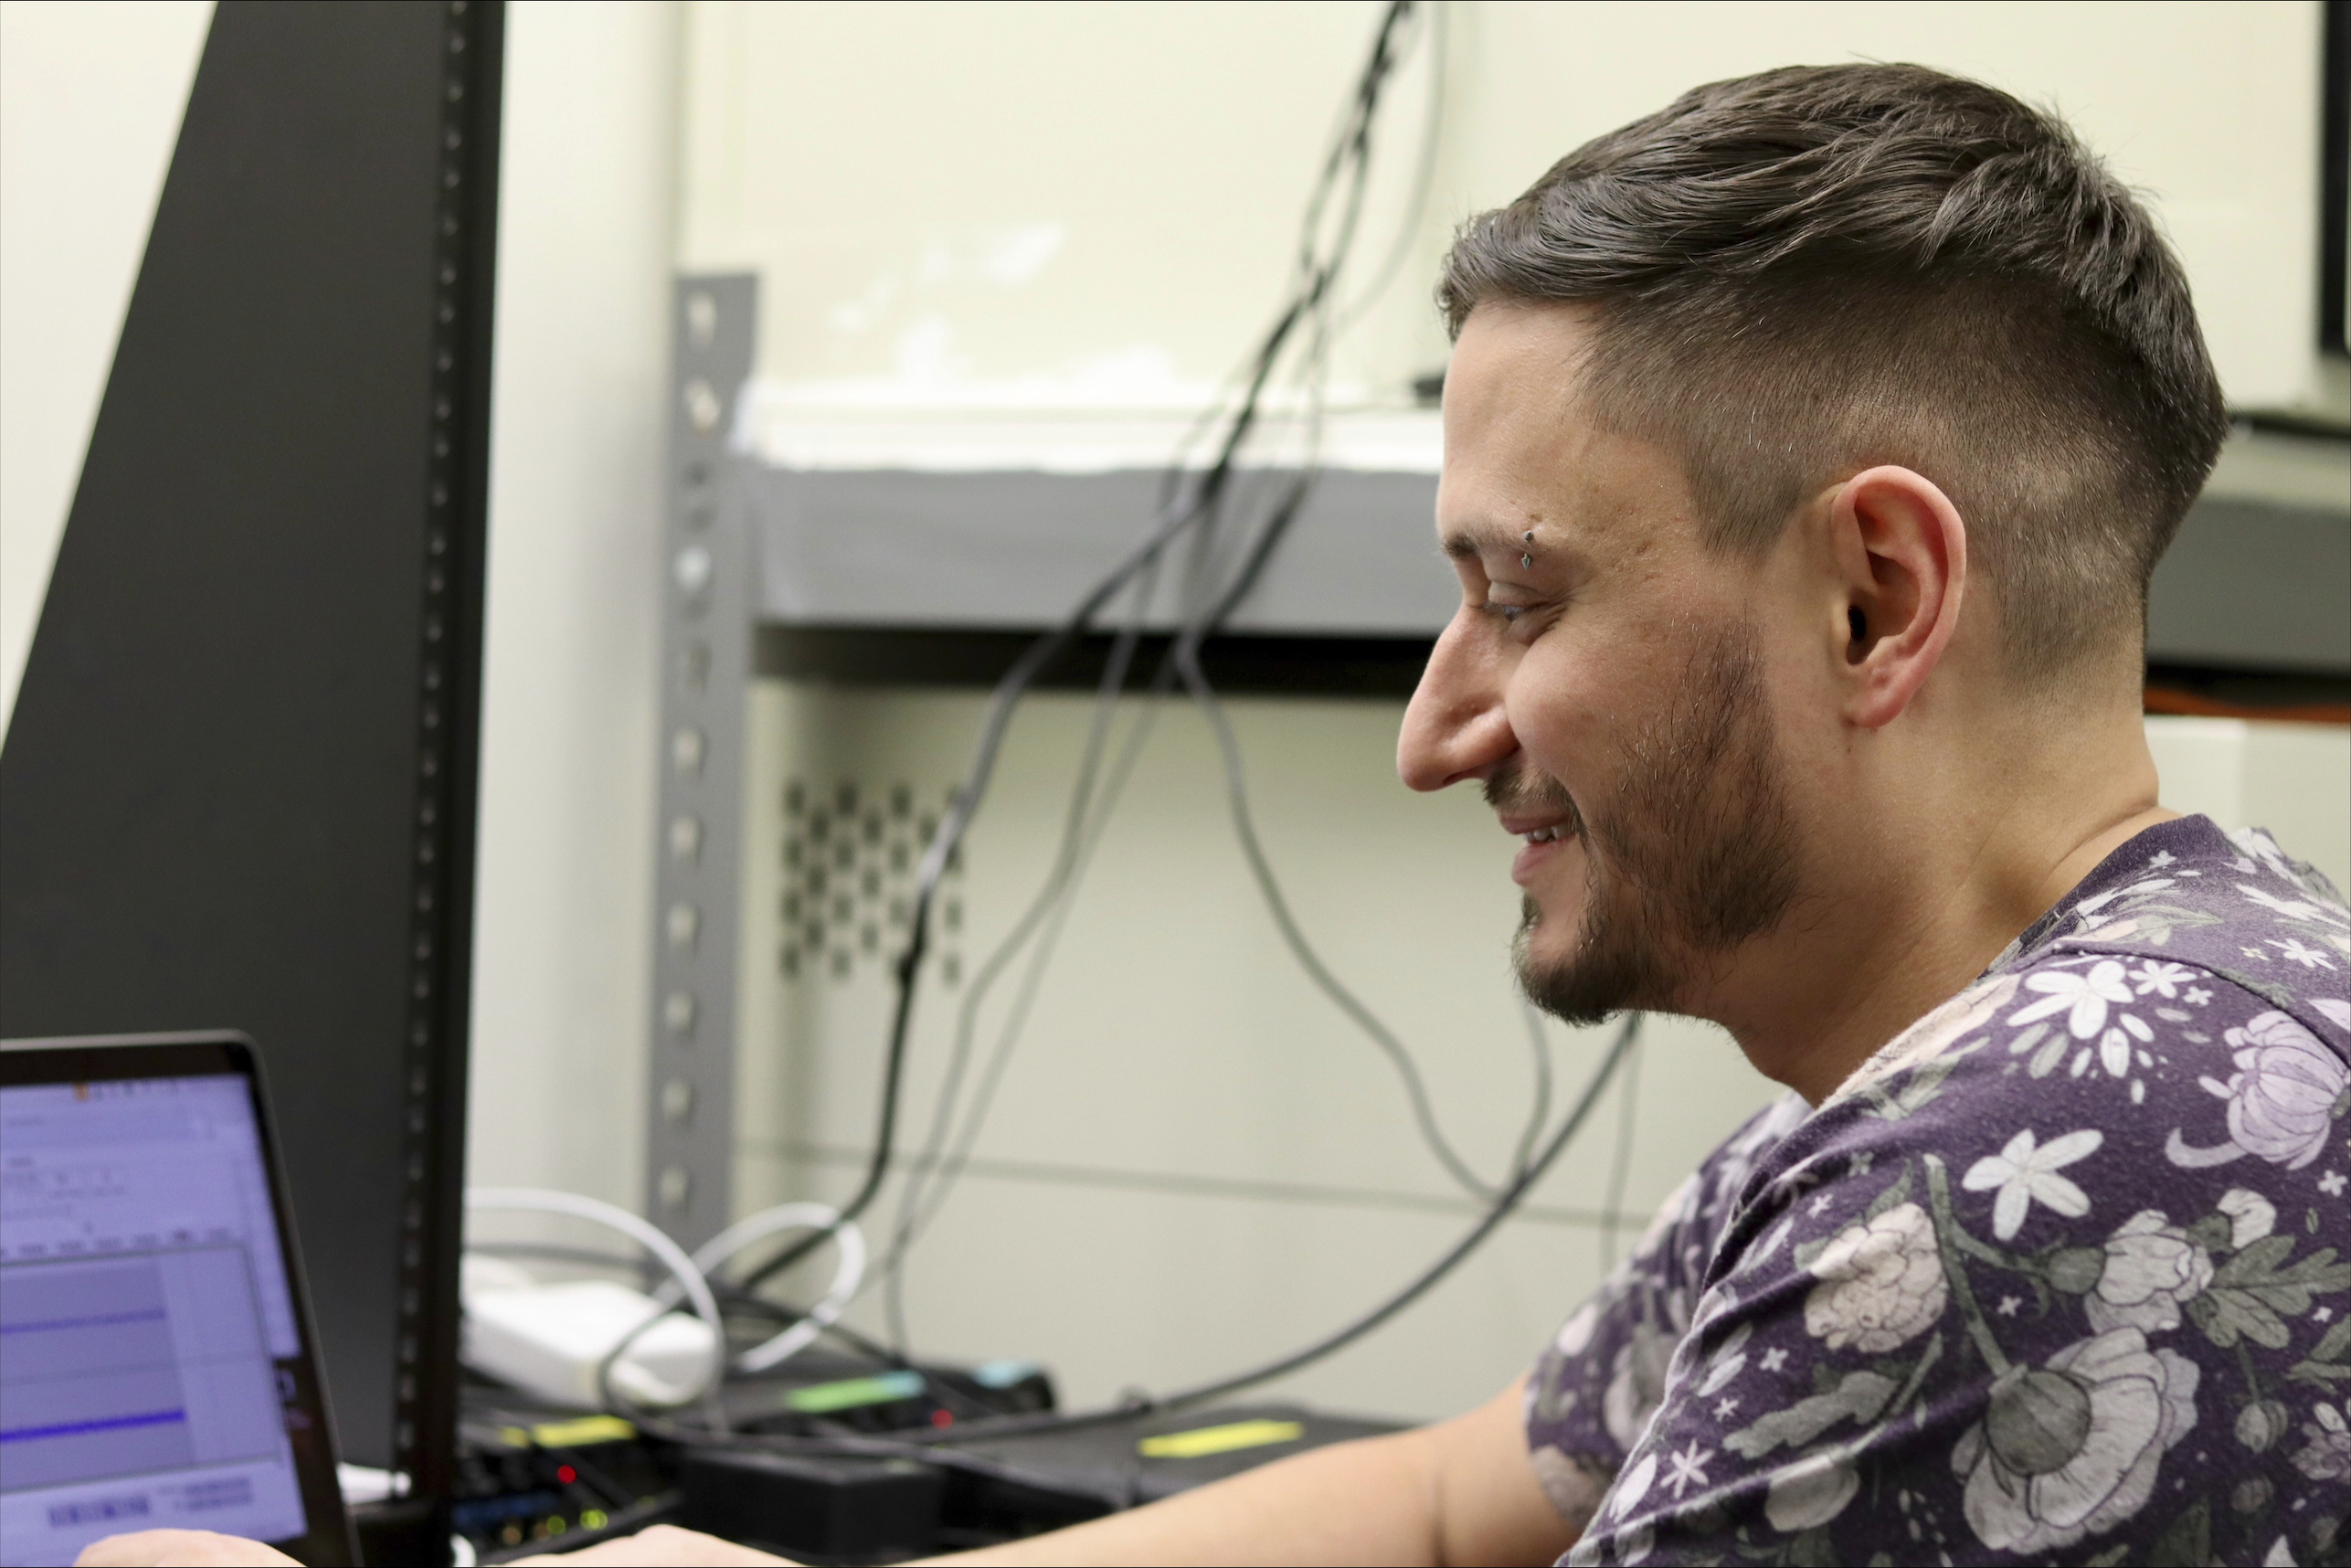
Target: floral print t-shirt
{"x":2061,"y":1275}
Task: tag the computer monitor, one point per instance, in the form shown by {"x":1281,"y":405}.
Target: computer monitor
{"x":156,"y":1353}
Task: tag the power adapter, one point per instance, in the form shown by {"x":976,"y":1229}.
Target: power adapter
{"x":550,"y":1340}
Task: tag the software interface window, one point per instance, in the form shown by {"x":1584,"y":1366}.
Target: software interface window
{"x":143,"y":1311}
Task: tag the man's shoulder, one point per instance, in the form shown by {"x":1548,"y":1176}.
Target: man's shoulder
{"x":2235,"y":905}
{"x":2203,"y":978}
{"x":2064,"y":1271}
{"x":2165,"y":1066}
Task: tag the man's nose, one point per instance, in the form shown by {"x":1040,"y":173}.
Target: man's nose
{"x":1455,"y":728}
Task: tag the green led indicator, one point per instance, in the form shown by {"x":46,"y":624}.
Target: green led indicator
{"x":853,"y":1394}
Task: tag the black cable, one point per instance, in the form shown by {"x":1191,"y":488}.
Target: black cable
{"x":949,"y":1171}
{"x":1277,"y":903}
{"x":1213,"y":615}
{"x":1500,"y":1210}
{"x":776,"y":1313}
{"x":1066,"y":860}
{"x":929,"y":1447}
{"x":1317,"y":279}
{"x":961,"y":804}
{"x":1205,"y":504}
{"x":1503,"y":1205}
{"x":1202,"y":514}
{"x":1261,"y":552}
{"x":1424,"y":177}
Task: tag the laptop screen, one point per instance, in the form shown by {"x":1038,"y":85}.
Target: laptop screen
{"x":150,"y":1348}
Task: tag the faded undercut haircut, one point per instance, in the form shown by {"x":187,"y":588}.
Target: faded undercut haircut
{"x":1808,"y":272}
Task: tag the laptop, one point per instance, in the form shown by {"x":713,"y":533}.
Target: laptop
{"x":158,"y":1368}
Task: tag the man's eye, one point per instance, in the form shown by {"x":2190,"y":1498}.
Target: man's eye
{"x":1507,"y":613}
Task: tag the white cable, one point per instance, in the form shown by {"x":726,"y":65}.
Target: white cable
{"x":682,"y":1268}
{"x":847,"y":1277}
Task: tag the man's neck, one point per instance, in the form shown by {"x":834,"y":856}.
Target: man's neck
{"x":1928,"y":910}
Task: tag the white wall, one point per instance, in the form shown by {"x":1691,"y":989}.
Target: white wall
{"x":1103,"y":198}
{"x":572,"y":657}
{"x":2293,"y":779}
{"x":90,"y":99}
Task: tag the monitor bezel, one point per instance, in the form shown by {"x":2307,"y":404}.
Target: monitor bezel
{"x":107,"y":1058}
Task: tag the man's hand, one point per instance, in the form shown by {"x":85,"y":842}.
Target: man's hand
{"x":663,"y":1546}
{"x":181,"y":1549}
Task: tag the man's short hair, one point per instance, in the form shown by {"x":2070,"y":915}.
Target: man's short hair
{"x":1809,"y":272}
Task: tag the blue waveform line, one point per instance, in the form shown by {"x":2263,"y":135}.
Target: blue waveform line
{"x":96,"y":1321}
{"x":76,"y":1428}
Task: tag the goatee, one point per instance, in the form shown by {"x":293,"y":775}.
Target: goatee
{"x":1691,"y":853}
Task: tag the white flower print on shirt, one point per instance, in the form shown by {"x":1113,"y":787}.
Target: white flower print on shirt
{"x":2326,"y":1456}
{"x":2250,"y":1216}
{"x":1632,"y":1487}
{"x":2309,"y":957}
{"x":1577,"y":1332}
{"x":2144,"y":886}
{"x":2153,"y":1269}
{"x":1880,"y":1283}
{"x":1637,"y":1383}
{"x":1810,"y":1492}
{"x":1930,"y":1036}
{"x":1729,"y":1362}
{"x":2025,"y":1174}
{"x":2281,"y":1098}
{"x":2161,"y":979}
{"x":2070,"y":1449}
{"x":2293,"y":909}
{"x":2114,"y":1045}
{"x":2081,"y":995}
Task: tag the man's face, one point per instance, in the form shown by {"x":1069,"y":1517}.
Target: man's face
{"x":1605,"y":680}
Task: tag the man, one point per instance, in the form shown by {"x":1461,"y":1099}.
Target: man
{"x":1808,"y":446}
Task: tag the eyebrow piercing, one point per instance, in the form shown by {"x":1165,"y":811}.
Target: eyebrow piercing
{"x":1528,"y":537}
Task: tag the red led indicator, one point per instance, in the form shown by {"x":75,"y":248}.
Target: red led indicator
{"x":942,"y":1419}
{"x":565,"y":1474}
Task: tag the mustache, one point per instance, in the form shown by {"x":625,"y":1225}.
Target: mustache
{"x":1516,"y":788}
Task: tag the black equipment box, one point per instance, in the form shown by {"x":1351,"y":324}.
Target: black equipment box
{"x":847,"y":1510}
{"x":811,"y":1507}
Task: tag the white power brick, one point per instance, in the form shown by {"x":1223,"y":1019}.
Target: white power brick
{"x":549,"y":1339}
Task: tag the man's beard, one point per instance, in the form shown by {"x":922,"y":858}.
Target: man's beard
{"x":1691,"y":853}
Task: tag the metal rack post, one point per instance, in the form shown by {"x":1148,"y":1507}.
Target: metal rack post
{"x":707,"y":605}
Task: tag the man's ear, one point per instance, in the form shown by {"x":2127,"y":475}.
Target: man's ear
{"x":1901,"y":552}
